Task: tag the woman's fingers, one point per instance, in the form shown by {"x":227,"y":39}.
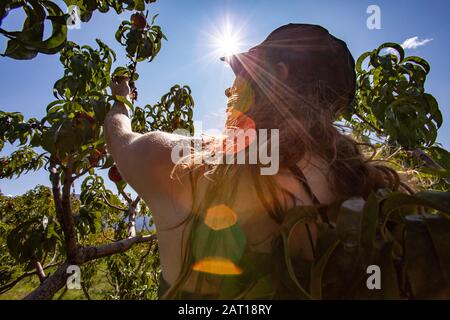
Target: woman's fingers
{"x":120,"y":79}
{"x":119,"y":86}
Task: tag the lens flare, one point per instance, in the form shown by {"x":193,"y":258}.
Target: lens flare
{"x":220,"y":217}
{"x":217,"y":265}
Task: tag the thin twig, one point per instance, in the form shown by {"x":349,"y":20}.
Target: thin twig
{"x":82,"y":173}
{"x":126,"y":197}
{"x":11,"y":284}
{"x":112,"y":205}
{"x":106,"y":237}
{"x":141,"y":261}
{"x":85,"y":291}
{"x":368,"y":123}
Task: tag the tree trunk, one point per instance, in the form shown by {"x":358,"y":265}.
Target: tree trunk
{"x":51,"y":285}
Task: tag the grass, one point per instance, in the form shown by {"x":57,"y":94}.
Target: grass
{"x":98,"y":292}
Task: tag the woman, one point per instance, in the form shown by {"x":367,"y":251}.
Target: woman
{"x":218,"y":224}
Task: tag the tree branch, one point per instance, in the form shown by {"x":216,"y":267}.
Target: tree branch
{"x":56,"y":190}
{"x":57,"y":280}
{"x":141,"y":261}
{"x":378,"y":131}
{"x":67,"y":216}
{"x":132,"y":217}
{"x":51,"y":285}
{"x":82,"y":173}
{"x":96,"y":252}
{"x":126,"y":197}
{"x":85,"y":291}
{"x":38,"y":268}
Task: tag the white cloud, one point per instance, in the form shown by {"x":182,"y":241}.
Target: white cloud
{"x":414,"y":42}
{"x":410,"y":43}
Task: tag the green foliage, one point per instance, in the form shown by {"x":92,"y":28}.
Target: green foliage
{"x":73,"y":124}
{"x":95,"y":215}
{"x":88,"y":7}
{"x":28,"y":42}
{"x":134,"y":275}
{"x":400,"y":244}
{"x":173,"y":112}
{"x":23,"y":232}
{"x":24,"y":159}
{"x":13,"y":128}
{"x":392,"y":108}
{"x":391,"y":98}
{"x":389,"y":230}
{"x":70,"y":139}
{"x":142,"y":42}
{"x":86,"y":71}
{"x":31,"y":239}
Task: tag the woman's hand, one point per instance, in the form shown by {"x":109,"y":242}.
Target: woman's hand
{"x":120,"y":87}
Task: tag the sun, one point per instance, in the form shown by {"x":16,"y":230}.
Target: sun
{"x":228,"y":44}
{"x":227,"y":40}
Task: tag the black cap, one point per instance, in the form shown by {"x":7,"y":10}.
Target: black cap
{"x":315,"y":53}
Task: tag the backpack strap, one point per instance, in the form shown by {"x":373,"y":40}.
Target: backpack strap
{"x":321,"y":208}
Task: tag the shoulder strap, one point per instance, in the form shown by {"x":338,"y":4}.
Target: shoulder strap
{"x":299,"y":174}
{"x":322,"y":208}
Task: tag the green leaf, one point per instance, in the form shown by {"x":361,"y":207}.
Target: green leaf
{"x":440,"y":155}
{"x":395,"y":46}
{"x":123,"y":100}
{"x":120,"y":72}
{"x":16,"y":50}
{"x":435,"y":199}
{"x":369,"y":223}
{"x":139,"y":5}
{"x":121,"y":185}
{"x":440,"y":236}
{"x":301,"y":292}
{"x":389,"y":279}
{"x":318,"y":270}
{"x":441,"y":173}
{"x":58,"y":37}
{"x":430,"y":199}
{"x":423,"y":267}
{"x":55,"y":105}
{"x":422,"y":62}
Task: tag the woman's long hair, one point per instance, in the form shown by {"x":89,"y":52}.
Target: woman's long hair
{"x":304,"y":112}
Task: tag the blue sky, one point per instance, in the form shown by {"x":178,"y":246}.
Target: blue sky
{"x":188,"y":57}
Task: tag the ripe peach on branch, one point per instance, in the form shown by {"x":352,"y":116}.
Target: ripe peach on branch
{"x":114,"y":175}
{"x":138,"y":21}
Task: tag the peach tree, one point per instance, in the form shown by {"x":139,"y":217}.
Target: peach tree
{"x":68,"y":143}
